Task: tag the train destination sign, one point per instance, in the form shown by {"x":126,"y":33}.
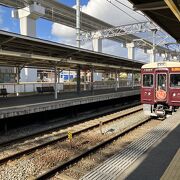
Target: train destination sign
{"x":175,"y":69}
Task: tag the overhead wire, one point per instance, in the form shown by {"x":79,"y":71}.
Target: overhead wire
{"x":122,"y":10}
{"x":131,"y":9}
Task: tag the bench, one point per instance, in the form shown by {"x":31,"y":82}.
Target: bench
{"x":45,"y":89}
{"x":3,"y":92}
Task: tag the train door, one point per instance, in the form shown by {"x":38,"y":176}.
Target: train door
{"x":174,"y":91}
{"x":147,"y":92}
{"x":161,"y":86}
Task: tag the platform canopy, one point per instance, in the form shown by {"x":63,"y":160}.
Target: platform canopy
{"x":166,"y":13}
{"x":17,"y":50}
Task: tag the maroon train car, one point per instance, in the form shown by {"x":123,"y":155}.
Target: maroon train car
{"x":160,"y":88}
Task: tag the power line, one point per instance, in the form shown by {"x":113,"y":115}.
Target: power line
{"x":131,"y":9}
{"x":122,"y":10}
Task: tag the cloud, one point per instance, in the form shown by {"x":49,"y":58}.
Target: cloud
{"x":1,"y":16}
{"x":5,"y":29}
{"x":107,"y":12}
{"x":62,"y":31}
{"x":104,"y":11}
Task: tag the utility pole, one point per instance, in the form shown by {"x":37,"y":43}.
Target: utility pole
{"x":154,"y":45}
{"x":78,"y":23}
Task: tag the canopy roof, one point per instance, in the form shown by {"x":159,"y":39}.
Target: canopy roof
{"x":18,"y":50}
{"x":166,"y":13}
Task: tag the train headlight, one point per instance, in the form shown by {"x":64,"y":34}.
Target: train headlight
{"x":149,"y":93}
{"x":174,"y":94}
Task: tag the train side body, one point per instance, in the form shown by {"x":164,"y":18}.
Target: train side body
{"x":160,"y":88}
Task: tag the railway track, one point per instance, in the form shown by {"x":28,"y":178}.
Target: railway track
{"x":82,"y":129}
{"x":90,"y":150}
{"x":64,"y":125}
{"x":63,"y":135}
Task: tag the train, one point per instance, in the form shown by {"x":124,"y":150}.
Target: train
{"x":160,"y":88}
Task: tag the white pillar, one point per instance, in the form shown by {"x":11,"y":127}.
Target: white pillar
{"x":28,"y":17}
{"x":167,"y":56}
{"x":97,"y":45}
{"x":78,"y":23}
{"x":131,"y":50}
{"x":152,"y":55}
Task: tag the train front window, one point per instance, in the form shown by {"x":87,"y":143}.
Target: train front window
{"x":161,"y":81}
{"x":147,"y":80}
{"x":175,"y":80}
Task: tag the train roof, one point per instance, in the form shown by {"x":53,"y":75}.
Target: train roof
{"x":161,"y":64}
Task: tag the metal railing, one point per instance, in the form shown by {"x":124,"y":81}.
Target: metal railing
{"x":31,"y":87}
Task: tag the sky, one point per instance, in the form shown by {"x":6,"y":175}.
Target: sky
{"x":101,"y":9}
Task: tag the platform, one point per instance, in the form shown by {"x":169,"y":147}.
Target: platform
{"x":146,"y":158}
{"x":173,"y":170}
{"x":22,"y":105}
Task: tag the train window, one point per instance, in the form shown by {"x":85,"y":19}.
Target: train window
{"x":175,"y":80}
{"x":147,"y":80}
{"x":161,"y":81}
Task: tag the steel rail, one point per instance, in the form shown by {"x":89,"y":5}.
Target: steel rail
{"x":66,"y":124}
{"x":49,"y":173}
{"x":63,"y":137}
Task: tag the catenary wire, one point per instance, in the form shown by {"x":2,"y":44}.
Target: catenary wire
{"x":131,"y":9}
{"x":122,"y":10}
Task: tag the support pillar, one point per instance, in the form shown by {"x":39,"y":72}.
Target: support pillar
{"x":18,"y":72}
{"x":131,"y":50}
{"x":78,"y":20}
{"x":152,"y":55}
{"x":28,"y":17}
{"x":92,"y":80}
{"x":153,"y":51}
{"x":78,"y":80}
{"x":132,"y":79}
{"x":97,"y":45}
{"x":55,"y":82}
{"x":116,"y":84}
{"x":69,"y":75}
{"x":85,"y":75}
{"x":58,"y":78}
{"x":167,"y":56}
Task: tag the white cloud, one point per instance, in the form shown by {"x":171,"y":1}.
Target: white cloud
{"x":105,"y":11}
{"x":63,"y":31}
{"x":1,"y":16}
{"x":5,"y":29}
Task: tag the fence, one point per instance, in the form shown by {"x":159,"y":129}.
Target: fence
{"x":66,"y":87}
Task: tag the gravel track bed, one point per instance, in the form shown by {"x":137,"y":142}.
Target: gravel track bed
{"x":36,"y":163}
{"x":31,"y":129}
{"x":35,"y":128}
{"x":9,"y":150}
{"x":82,"y":167}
